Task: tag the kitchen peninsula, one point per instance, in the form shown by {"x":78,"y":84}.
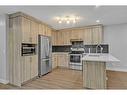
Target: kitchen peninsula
{"x":94,"y":70}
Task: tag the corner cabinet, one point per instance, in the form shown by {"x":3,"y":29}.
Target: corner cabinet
{"x":23,"y":29}
{"x":44,"y":30}
{"x":60,"y":59}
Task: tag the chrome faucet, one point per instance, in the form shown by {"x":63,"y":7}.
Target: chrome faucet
{"x":99,"y":45}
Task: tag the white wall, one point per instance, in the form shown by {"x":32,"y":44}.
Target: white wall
{"x":3,"y":49}
{"x":116,"y":37}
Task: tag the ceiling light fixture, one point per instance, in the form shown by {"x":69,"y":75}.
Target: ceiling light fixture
{"x":98,"y":21}
{"x":59,"y":21}
{"x":67,"y":19}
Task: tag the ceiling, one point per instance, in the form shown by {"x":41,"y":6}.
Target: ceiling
{"x":107,"y":15}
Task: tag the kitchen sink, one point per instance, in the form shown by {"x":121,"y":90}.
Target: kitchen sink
{"x":94,"y":55}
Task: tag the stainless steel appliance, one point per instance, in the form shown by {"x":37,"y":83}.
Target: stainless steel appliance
{"x":75,"y":61}
{"x":45,"y":48}
{"x":76,"y":54}
{"x":28,"y":49}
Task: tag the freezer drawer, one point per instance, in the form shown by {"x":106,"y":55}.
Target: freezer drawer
{"x":45,"y":67}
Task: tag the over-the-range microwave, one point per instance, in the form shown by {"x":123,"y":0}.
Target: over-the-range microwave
{"x":28,"y":49}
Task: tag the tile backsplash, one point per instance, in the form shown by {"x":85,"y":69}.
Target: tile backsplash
{"x":66,"y":48}
{"x":93,"y":48}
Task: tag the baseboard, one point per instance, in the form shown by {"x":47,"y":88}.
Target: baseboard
{"x":4,"y":81}
{"x":117,"y":69}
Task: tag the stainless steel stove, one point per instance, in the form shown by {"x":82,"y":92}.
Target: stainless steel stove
{"x":76,"y":54}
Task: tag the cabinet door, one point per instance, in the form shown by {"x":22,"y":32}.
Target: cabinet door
{"x":97,"y":35}
{"x":67,"y":37}
{"x":53,"y":38}
{"x":63,"y":60}
{"x":34,"y":31}
{"x":40,"y":29}
{"x":25,"y":67}
{"x":48,"y":32}
{"x":66,"y":62}
{"x":34,"y":66}
{"x":87,"y":35}
{"x":44,"y":29}
{"x":25,"y":30}
{"x":59,"y":38}
{"x":54,"y":61}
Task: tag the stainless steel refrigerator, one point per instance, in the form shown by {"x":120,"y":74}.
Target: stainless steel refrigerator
{"x":44,"y":57}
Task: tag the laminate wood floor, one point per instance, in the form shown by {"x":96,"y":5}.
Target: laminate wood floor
{"x":58,"y":79}
{"x":70,"y":79}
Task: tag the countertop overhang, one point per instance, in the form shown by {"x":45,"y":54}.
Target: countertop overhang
{"x":99,"y":57}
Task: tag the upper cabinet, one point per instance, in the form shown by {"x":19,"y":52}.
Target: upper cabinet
{"x":44,"y":30}
{"x":29,"y":30}
{"x":97,"y":35}
{"x":48,"y":31}
{"x":89,"y":35}
{"x":54,"y":37}
{"x":34,"y":31}
{"x":25,"y":26}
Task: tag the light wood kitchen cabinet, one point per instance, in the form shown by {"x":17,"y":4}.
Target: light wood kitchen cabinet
{"x":41,"y":29}
{"x":48,"y":31}
{"x":44,"y":30}
{"x":61,"y":37}
{"x":67,"y":38}
{"x":34,"y":31}
{"x":54,"y":61}
{"x":25,"y":26}
{"x":60,"y":60}
{"x":26,"y":69}
{"x":63,"y":60}
{"x":23,"y":29}
{"x":14,"y":57}
{"x":29,"y":68}
{"x":97,"y":35}
{"x":34,"y":66}
{"x":54,"y":37}
{"x":29,"y":31}
{"x":89,"y":35}
{"x":94,"y":75}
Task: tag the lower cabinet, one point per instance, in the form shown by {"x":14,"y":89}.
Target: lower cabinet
{"x":63,"y":60}
{"x":29,"y":68}
{"x":54,"y":61}
{"x":34,"y":66}
{"x":25,"y":69}
{"x":60,"y":60}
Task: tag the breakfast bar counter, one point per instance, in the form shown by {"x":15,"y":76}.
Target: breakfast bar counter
{"x":94,"y":70}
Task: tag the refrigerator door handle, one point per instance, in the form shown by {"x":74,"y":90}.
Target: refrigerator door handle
{"x":45,"y":59}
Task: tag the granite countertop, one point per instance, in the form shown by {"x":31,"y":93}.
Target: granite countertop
{"x":99,"y":57}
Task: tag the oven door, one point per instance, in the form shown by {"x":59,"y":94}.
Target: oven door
{"x":75,"y":58}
